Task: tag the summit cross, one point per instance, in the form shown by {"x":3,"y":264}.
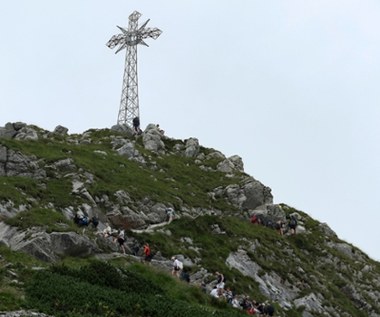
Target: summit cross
{"x":129,"y":39}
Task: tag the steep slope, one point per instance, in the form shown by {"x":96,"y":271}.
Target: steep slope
{"x":129,"y":181}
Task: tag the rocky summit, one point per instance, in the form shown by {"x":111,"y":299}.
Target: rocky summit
{"x":77,"y":212}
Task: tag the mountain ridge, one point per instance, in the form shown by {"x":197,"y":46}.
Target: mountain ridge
{"x":129,"y":181}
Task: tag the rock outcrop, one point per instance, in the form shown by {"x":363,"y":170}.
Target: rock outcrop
{"x":129,"y":182}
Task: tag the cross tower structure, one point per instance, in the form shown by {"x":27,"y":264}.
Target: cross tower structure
{"x":129,"y":39}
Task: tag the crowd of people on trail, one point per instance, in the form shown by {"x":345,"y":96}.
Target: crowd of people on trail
{"x":219,"y":290}
{"x":222,"y":292}
{"x":242,"y":302}
{"x":280,"y":225}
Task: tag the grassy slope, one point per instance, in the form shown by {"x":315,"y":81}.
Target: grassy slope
{"x":171,"y":178}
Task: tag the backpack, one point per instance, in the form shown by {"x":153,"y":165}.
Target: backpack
{"x":292,"y":222}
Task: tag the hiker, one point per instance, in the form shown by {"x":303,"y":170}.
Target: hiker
{"x":185,"y":276}
{"x":95,"y":222}
{"x":220,"y":280}
{"x":147,"y":253}
{"x":280,"y":227}
{"x":254,"y":219}
{"x":214,"y":292}
{"x":235,"y":302}
{"x":121,"y":240}
{"x":269,"y":310}
{"x":170,"y":214}
{"x":177,"y":266}
{"x":292,"y":224}
{"x":229,"y":295}
{"x":260,"y":307}
{"x":159,"y":129}
{"x":81,"y":219}
{"x":136,"y":125}
{"x":107,"y":231}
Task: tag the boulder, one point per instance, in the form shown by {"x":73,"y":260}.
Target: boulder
{"x":61,"y":130}
{"x":270,"y":284}
{"x":311,"y":303}
{"x":44,"y":246}
{"x":152,"y":139}
{"x":257,"y":194}
{"x":14,"y":163}
{"x":191,"y":147}
{"x":27,"y":133}
{"x":128,"y":150}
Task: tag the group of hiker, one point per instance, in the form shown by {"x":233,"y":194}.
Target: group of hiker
{"x":178,"y":270}
{"x":83,"y":220}
{"x":251,"y":307}
{"x":280,"y":225}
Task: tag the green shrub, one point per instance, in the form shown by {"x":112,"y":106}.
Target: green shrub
{"x":61,"y":293}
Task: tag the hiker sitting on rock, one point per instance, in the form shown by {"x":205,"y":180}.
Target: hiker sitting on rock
{"x":81,"y":219}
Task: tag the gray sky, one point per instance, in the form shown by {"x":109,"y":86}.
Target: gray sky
{"x":290,"y":86}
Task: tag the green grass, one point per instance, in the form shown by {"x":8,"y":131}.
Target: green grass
{"x":50,"y":220}
{"x":112,"y":172}
{"x":13,"y":187}
{"x":138,"y":290}
{"x":100,"y":289}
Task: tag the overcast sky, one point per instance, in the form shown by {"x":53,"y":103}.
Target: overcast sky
{"x":290,"y":86}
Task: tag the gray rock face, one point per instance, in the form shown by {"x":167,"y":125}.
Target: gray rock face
{"x":247,"y":196}
{"x":311,"y":302}
{"x":257,"y":194}
{"x":72,"y":244}
{"x":17,"y":164}
{"x":128,"y":150}
{"x":270,"y":284}
{"x":152,"y":139}
{"x":129,"y":219}
{"x":61,"y":130}
{"x":192,"y":147}
{"x":44,"y":246}
{"x":123,"y":129}
{"x":11,"y":129}
{"x":231,"y":164}
{"x":26,"y":133}
{"x":225,"y":166}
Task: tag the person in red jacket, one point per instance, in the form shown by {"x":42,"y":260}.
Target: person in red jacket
{"x":147,"y":253}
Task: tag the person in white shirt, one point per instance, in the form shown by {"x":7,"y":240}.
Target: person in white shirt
{"x":177,"y":266}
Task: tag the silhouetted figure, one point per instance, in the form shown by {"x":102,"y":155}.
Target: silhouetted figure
{"x":136,"y":125}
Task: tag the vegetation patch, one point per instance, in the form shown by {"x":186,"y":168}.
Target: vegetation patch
{"x":50,"y":220}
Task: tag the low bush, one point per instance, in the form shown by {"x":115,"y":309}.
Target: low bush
{"x":102,"y":290}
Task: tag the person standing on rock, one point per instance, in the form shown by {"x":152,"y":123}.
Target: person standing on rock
{"x":121,"y":240}
{"x":136,"y":125}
